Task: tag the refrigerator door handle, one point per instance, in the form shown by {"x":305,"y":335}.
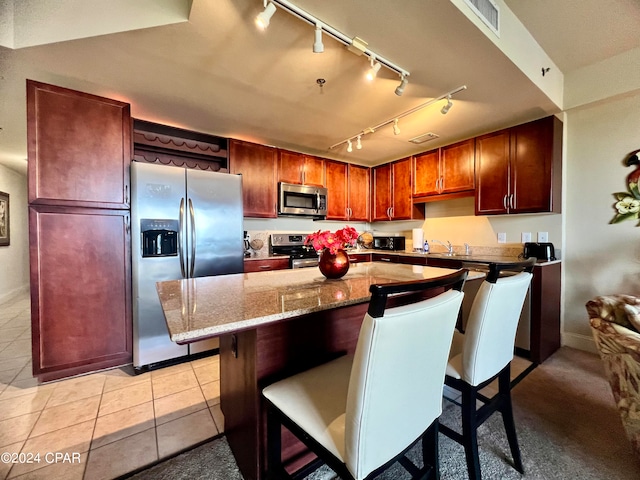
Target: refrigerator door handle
{"x":193,"y":239}
{"x":180,"y":230}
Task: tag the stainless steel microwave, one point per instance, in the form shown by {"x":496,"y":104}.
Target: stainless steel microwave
{"x":302,"y":200}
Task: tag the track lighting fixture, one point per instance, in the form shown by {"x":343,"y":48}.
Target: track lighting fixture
{"x":396,"y":129}
{"x":403,"y":83}
{"x":448,"y":106}
{"x":263,"y":18}
{"x":373,"y":71}
{"x":353,"y":44}
{"x":394,"y":120}
{"x":318,"y":46}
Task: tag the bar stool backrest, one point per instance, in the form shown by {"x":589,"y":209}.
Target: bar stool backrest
{"x":395,"y":388}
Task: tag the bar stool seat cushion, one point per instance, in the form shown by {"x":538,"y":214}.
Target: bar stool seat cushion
{"x":316,"y":400}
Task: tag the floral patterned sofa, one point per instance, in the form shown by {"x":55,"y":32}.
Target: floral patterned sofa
{"x":615,"y":323}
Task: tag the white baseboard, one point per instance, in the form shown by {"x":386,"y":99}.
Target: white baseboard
{"x":580,"y":342}
{"x":6,"y":296}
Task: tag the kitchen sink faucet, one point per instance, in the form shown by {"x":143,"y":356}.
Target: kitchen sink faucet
{"x":448,"y":246}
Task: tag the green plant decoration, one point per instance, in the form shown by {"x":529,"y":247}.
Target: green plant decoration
{"x":628,"y":203}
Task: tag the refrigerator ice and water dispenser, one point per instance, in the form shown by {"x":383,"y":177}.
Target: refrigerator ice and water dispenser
{"x":159,"y":237}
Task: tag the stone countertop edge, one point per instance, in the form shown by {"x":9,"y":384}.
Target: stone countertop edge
{"x":232,"y":303}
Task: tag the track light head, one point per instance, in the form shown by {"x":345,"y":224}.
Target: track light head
{"x":349,"y":146}
{"x":396,"y":129}
{"x":373,"y":71}
{"x":359,"y":143}
{"x":318,"y":46}
{"x":448,"y":106}
{"x":403,"y":83}
{"x":263,"y":18}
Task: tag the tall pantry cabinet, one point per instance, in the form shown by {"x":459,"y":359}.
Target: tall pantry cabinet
{"x":79,"y":149}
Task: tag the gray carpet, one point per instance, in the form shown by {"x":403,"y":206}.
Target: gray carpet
{"x":567,"y":425}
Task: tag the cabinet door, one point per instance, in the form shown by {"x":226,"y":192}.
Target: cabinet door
{"x":79,"y":148}
{"x":359,"y":189}
{"x":381,"y":193}
{"x":313,"y":171}
{"x":492,"y":175}
{"x":426,"y":174}
{"x":257,"y":164}
{"x":300,"y":169}
{"x":337,"y":190}
{"x":457,"y":167}
{"x":532,"y":155}
{"x":80,"y":288}
{"x":290,"y":167}
{"x":402,"y":206}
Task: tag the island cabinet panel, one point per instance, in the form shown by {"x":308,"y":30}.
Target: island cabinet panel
{"x":301,"y":169}
{"x":80,"y":290}
{"x":391,"y":192}
{"x":348,"y":191}
{"x":519,"y":169}
{"x":257,"y":164}
{"x":79,"y":148}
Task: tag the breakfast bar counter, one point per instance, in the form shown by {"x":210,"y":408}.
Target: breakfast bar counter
{"x":272,"y":325}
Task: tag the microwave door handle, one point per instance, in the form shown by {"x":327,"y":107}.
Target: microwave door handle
{"x":317,"y":201}
{"x":180,"y":230}
{"x":193,"y":239}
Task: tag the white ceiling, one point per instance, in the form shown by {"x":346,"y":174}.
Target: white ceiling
{"x":217,"y":74}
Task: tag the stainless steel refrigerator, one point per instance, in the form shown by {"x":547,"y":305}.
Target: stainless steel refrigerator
{"x":186,"y":223}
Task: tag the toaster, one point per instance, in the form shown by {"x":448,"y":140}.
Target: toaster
{"x":542,"y":251}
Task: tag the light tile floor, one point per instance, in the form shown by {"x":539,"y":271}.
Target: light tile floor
{"x":110,"y":423}
{"x":114,"y":422}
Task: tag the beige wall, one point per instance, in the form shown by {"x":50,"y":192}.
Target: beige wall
{"x":14,"y":259}
{"x":600,"y":258}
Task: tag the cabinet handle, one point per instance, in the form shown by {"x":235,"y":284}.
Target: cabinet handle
{"x":504,"y":202}
{"x":126,"y":194}
{"x":511,"y":201}
{"x":385,"y":259}
{"x":127,"y":224}
{"x":264,"y":267}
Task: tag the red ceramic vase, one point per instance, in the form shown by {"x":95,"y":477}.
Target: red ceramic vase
{"x":333,"y":266}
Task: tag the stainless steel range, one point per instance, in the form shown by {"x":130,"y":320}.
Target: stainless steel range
{"x":292,"y":244}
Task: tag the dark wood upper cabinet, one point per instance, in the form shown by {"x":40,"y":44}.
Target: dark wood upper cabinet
{"x":80,"y":290}
{"x":444,"y":172}
{"x":300,"y":169}
{"x":257,"y":164}
{"x":79,"y":148}
{"x":519,"y":169}
{"x":359,"y":190}
{"x":348,"y":191}
{"x":391,"y":192}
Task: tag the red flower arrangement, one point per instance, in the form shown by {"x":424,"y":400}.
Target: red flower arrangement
{"x":339,"y":240}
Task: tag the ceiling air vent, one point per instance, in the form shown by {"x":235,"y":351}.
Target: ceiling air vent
{"x":488,"y":12}
{"x":425,"y":137}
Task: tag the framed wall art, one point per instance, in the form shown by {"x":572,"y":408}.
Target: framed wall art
{"x":4,"y":220}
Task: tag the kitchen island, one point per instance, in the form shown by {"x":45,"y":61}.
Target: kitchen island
{"x":271,"y":325}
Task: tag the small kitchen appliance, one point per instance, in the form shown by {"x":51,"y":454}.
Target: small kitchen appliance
{"x":302,"y":201}
{"x":389,"y":243}
{"x":542,"y":251}
{"x":292,"y":244}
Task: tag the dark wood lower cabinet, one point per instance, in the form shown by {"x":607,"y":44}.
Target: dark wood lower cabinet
{"x":80,"y":290}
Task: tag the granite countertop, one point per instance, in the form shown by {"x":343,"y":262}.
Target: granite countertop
{"x":205,"y":307}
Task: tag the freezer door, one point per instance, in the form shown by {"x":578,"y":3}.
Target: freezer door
{"x":157,"y":191}
{"x":215,"y":218}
